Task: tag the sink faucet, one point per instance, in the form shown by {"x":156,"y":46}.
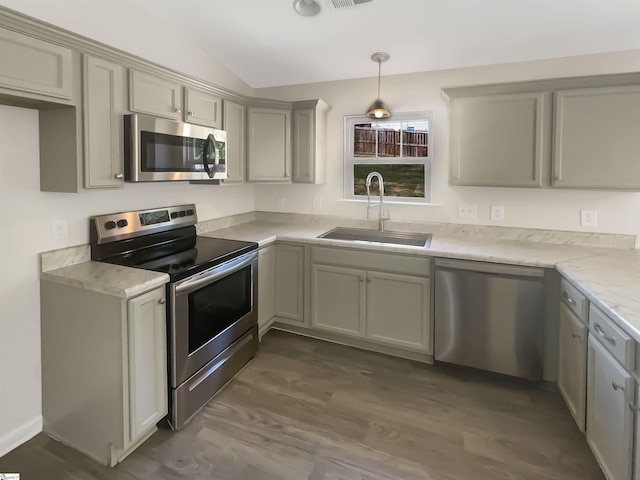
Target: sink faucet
{"x":381,"y":215}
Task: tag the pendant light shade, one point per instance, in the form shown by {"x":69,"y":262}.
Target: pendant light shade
{"x":306,"y":8}
{"x":378,"y":109}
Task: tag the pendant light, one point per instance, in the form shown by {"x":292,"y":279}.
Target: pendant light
{"x":306,"y":8}
{"x":378,"y":109}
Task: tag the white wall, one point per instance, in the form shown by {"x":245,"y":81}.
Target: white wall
{"x":618,"y":212}
{"x":26,"y":220}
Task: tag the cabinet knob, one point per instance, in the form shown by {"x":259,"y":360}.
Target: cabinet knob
{"x":575,"y":335}
{"x":569,"y":300}
{"x":191,"y":114}
{"x":287,"y":175}
{"x":162,"y":301}
{"x":617,"y":387}
{"x":119,"y":176}
{"x":362,"y":279}
{"x":178,"y":110}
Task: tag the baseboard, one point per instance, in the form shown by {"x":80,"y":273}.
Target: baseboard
{"x":19,"y":435}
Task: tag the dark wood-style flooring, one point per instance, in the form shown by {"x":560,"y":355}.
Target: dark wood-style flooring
{"x":310,"y":410}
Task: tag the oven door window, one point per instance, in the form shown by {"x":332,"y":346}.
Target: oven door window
{"x":160,"y":152}
{"x":215,"y":307}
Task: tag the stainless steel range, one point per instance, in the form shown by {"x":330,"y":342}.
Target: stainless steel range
{"x":212,"y":305}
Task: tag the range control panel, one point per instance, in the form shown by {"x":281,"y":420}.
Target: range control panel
{"x":119,"y":226}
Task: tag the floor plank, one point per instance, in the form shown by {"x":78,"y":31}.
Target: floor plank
{"x":307,"y":409}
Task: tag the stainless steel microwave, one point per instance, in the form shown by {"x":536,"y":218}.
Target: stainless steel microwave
{"x":160,"y":150}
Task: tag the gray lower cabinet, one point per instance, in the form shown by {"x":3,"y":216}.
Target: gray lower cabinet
{"x":382,"y":298}
{"x":103,"y":91}
{"x":266,"y":287}
{"x":309,"y":119}
{"x":34,"y":66}
{"x":104,"y":369}
{"x":235,"y":124}
{"x":610,"y":391}
{"x":153,"y":95}
{"x":596,"y":141}
{"x":572,"y":364}
{"x":290,"y":284}
{"x":268,"y":145}
{"x":499,"y":140}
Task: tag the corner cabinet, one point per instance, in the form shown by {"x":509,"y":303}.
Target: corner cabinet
{"x":235,"y":123}
{"x":310,"y":141}
{"x":266,"y":288}
{"x":103,"y":94}
{"x":499,"y":140}
{"x":290,"y":283}
{"x":383,"y":298}
{"x":268,"y":145}
{"x":104,"y":369}
{"x":596,"y":138}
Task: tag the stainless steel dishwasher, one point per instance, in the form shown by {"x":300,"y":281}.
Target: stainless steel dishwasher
{"x":490,"y":316}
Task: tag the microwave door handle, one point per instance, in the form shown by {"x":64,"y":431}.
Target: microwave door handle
{"x":209,"y":141}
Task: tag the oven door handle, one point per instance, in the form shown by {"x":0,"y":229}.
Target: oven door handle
{"x":212,"y":275}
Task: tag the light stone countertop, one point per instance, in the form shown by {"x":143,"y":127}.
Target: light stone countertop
{"x":124,"y":282}
{"x":535,"y":254}
{"x":609,"y":277}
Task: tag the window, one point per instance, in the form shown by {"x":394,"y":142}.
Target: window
{"x":399,"y":148}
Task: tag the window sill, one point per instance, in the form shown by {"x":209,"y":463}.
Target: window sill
{"x":388,"y":202}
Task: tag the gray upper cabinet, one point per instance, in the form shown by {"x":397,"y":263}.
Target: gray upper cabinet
{"x":153,"y":95}
{"x":268,"y":145}
{"x":498,"y":140}
{"x":235,"y":123}
{"x":310,"y":141}
{"x":103,"y":87}
{"x":202,"y":108}
{"x":596,"y":138}
{"x":33,"y":66}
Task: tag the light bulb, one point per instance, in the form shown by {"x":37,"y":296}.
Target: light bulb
{"x":378,"y":114}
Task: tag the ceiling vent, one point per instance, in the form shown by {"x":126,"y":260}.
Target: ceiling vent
{"x":340,"y":4}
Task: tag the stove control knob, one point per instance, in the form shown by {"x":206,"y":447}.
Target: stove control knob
{"x":110,"y":225}
{"x":174,"y":214}
{"x":189,"y":212}
{"x":122,"y":223}
{"x":181,"y":213}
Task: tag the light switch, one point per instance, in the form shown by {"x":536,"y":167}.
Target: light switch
{"x":589,"y":218}
{"x":497,"y":212}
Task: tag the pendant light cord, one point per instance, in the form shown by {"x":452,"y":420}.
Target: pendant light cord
{"x":379,"y":73}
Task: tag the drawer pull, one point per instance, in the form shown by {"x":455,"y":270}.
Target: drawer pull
{"x":600,"y":332}
{"x":617,"y":387}
{"x":569,"y":300}
{"x":575,"y":335}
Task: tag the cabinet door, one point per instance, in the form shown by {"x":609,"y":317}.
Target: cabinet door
{"x":103,"y":85}
{"x":266,"y":286}
{"x":609,"y":418}
{"x":398,"y":310}
{"x":572,"y":364}
{"x":235,"y":123}
{"x":268,"y":145}
{"x":636,"y":455}
{"x":153,"y":95}
{"x":498,"y":140}
{"x":290,"y":282}
{"x":203,"y":108}
{"x":338,"y":300}
{"x":148,"y":391}
{"x":34,"y":66}
{"x":596,"y":138}
{"x":304,"y":152}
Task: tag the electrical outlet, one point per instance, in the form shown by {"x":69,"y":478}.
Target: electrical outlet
{"x":59,"y":230}
{"x":467,"y":210}
{"x":589,"y":218}
{"x":497,"y":212}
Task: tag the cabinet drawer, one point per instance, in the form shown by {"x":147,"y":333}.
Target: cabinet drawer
{"x":575,"y":300}
{"x":408,"y":265}
{"x":612,"y":337}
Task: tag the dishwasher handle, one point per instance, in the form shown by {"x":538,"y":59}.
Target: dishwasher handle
{"x":492,"y":268}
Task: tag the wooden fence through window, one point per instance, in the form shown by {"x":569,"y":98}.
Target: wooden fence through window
{"x":414,"y":144}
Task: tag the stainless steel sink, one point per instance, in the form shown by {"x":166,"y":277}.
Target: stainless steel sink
{"x":413,"y":239}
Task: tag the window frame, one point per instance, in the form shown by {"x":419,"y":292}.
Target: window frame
{"x":349,"y":159}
